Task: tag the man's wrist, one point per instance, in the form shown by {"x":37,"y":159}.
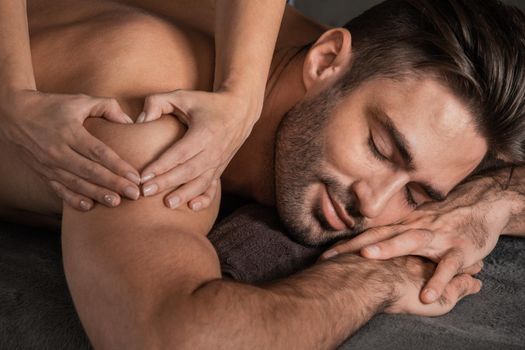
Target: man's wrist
{"x":504,"y":190}
{"x":354,"y":280}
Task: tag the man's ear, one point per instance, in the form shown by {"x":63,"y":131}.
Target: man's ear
{"x":328,"y":58}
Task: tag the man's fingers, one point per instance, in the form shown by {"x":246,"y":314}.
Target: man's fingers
{"x":98,"y":175}
{"x":473,"y":269}
{"x":96,"y":150}
{"x":449,"y":266}
{"x":407,"y":243}
{"x":458,"y":288}
{"x":109,"y":109}
{"x":366,"y":238}
{"x":78,"y":185}
{"x":71,"y":198}
{"x":203,"y":201}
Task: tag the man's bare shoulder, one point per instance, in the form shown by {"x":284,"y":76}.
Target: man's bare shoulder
{"x":139,"y":144}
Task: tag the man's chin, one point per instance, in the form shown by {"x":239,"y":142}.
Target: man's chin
{"x":317,"y":238}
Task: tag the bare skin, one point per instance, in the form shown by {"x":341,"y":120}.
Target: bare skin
{"x":157,"y":274}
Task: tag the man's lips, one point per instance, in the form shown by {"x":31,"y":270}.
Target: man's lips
{"x":334,"y":214}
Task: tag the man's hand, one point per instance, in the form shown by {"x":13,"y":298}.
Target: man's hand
{"x":412,"y":274}
{"x":48,"y":129}
{"x":218,"y":123}
{"x":456,"y":233}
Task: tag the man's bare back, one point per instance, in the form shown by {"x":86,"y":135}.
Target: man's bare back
{"x":107,"y":49}
{"x":102,"y":49}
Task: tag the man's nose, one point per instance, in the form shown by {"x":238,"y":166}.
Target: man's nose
{"x":374,"y":194}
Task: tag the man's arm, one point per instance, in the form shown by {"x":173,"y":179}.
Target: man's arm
{"x":458,"y":232}
{"x":143,"y":276}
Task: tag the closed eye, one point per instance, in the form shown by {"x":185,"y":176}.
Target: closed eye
{"x":375,"y":151}
{"x":410,"y":198}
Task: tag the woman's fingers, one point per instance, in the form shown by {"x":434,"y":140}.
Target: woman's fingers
{"x":204,"y":200}
{"x":183,"y":151}
{"x":71,"y":198}
{"x":97,"y":175}
{"x":189,"y":191}
{"x":96,"y":150}
{"x":84,"y":188}
{"x":175,"y":177}
{"x":167,"y":103}
{"x":449,"y":266}
{"x":109,"y":109}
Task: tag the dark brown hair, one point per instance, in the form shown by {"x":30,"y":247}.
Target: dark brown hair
{"x":476,"y":47}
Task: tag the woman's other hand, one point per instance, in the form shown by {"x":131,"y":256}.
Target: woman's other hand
{"x":48,"y":129}
{"x":218,"y":124}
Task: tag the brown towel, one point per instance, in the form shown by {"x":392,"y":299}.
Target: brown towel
{"x":253,"y":248}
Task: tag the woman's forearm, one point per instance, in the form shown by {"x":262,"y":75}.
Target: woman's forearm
{"x":16,"y":68}
{"x":245,"y":37}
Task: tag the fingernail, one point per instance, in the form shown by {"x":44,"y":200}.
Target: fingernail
{"x":85,"y":205}
{"x":133,"y":178}
{"x":150,"y":190}
{"x":110,"y":199}
{"x":128,"y":119}
{"x":330,"y":254}
{"x":373,"y":250}
{"x":173,"y":202}
{"x":148,"y":177}
{"x":430,"y":294}
{"x":196,"y":206}
{"x":141,"y":117}
{"x":132,"y":192}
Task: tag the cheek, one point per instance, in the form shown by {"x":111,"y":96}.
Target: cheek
{"x":345,"y":149}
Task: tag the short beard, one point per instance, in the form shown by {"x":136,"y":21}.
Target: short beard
{"x":298,"y":159}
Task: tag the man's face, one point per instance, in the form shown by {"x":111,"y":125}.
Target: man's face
{"x":345,"y":164}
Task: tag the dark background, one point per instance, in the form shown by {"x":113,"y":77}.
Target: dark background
{"x":338,"y":12}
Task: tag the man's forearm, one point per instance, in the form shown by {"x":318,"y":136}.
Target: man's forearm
{"x":315,"y":309}
{"x":16,"y":69}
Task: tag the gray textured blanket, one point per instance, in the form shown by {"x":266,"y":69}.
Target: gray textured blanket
{"x":36,"y":311}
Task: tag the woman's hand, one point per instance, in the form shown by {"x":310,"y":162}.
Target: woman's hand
{"x":218,"y":124}
{"x":456,"y":233}
{"x":48,"y":129}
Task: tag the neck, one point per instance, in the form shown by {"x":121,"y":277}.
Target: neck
{"x":251,"y":172}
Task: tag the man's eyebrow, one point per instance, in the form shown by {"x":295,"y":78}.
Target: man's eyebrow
{"x":402,"y":146}
{"x":397,"y":137}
